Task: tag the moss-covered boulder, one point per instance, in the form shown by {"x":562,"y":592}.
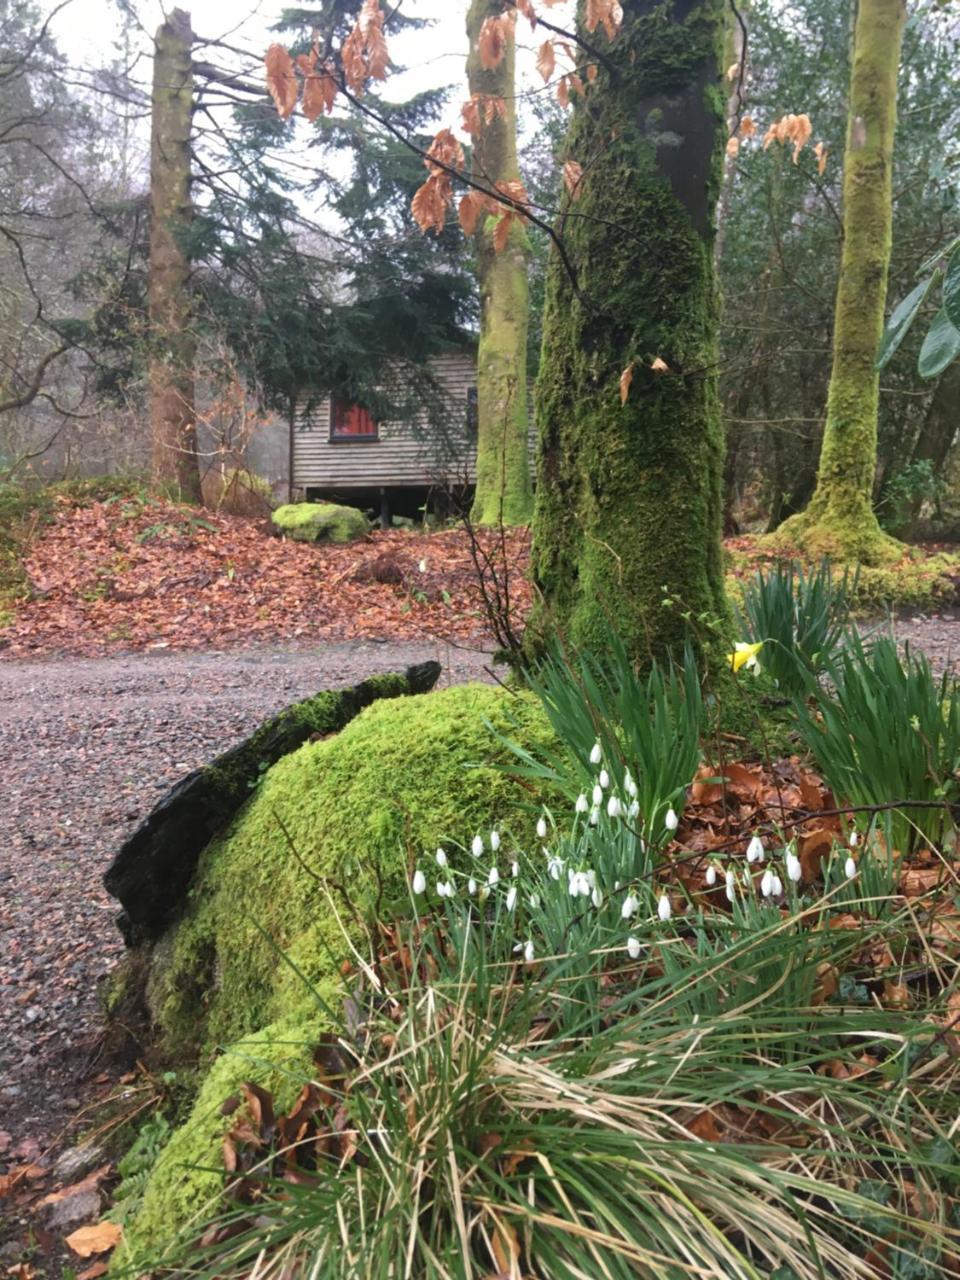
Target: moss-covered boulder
{"x":333,"y":828}
{"x":320,"y":522}
{"x":152,"y":872}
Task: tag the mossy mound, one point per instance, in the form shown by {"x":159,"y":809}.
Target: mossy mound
{"x":188,"y":1177}
{"x":333,"y":829}
{"x":320,"y":522}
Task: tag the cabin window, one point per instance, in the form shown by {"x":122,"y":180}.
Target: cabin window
{"x":473,"y":413}
{"x":352,"y":422}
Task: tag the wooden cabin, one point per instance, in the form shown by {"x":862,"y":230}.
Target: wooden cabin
{"x":340,"y":453}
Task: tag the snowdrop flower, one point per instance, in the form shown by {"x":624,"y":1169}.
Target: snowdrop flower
{"x":671,"y":821}
{"x":629,"y":786}
{"x":794,"y":869}
{"x":731,"y":886}
{"x":597,"y":794}
{"x":584,"y":886}
{"x":634,"y":810}
{"x":494,"y":877}
{"x":664,"y":910}
{"x":596,"y":897}
{"x":594,"y":817}
{"x":711,"y":876}
{"x":614,"y":807}
{"x":766,"y":884}
{"x":419,"y":882}
{"x":554,"y":867}
{"x":441,"y":858}
{"x":542,"y":826}
{"x":494,"y":840}
{"x":512,"y":897}
{"x":528,"y":952}
{"x":629,"y":908}
{"x":777,"y":886}
{"x":514,"y":869}
{"x":591,"y":878}
{"x":534,"y":901}
{"x":583,"y":804}
{"x":633,"y":948}
{"x":471,"y":886}
{"x":604,"y":778}
{"x":477,"y":847}
{"x":755,"y":850}
{"x":854,"y":840}
{"x":596,"y":753}
{"x":849,"y":868}
{"x":445,"y":889}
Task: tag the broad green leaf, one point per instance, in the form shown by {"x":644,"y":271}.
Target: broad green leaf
{"x":940,"y":347}
{"x":951,"y":289}
{"x":899,"y":324}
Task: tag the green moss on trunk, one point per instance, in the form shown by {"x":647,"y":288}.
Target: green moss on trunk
{"x":629,"y":497}
{"x":503,"y":491}
{"x":840,"y":520}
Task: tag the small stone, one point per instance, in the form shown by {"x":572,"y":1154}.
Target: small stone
{"x":75,"y":1162}
{"x":76,"y":1209}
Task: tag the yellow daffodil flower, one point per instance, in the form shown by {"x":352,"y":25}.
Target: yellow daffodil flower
{"x":744,"y":655}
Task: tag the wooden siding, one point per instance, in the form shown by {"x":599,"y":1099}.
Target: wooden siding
{"x":409,"y":454}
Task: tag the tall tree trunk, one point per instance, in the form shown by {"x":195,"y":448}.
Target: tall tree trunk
{"x":172,"y":344}
{"x":503,"y":490}
{"x":939,"y":430}
{"x":840,"y":520}
{"x":628,"y":505}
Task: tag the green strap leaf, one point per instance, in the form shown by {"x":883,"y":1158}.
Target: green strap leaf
{"x":940,"y":347}
{"x":951,"y":289}
{"x":899,"y":323}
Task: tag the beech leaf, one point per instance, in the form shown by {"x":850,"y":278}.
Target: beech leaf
{"x":626,"y":378}
{"x":99,"y":1238}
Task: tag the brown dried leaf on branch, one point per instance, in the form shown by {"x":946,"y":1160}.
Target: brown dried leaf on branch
{"x":319,"y":87}
{"x":790,"y":128}
{"x":572,"y":175}
{"x":281,"y":80}
{"x":481,"y":111}
{"x":495,"y":35}
{"x":605,"y":13}
{"x":547,"y":59}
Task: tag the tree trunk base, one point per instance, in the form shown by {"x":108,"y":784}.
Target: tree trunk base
{"x":849,"y":537}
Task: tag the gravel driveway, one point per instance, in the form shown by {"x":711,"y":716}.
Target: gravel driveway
{"x":89,"y":745}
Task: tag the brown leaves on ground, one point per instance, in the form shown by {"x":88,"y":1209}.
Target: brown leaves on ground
{"x":119,"y":576}
{"x":86,"y":1242}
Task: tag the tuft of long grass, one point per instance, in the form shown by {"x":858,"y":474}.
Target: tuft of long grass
{"x":801,"y":616}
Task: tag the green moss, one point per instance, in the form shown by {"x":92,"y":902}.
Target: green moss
{"x":629,"y":496}
{"x":320,"y":522}
{"x":840,"y":521}
{"x":188,"y":1177}
{"x":360,"y":808}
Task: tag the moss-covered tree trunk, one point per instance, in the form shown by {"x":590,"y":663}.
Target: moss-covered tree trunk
{"x":173,"y":429}
{"x":503,"y":490}
{"x":628,"y":506}
{"x":840,"y":520}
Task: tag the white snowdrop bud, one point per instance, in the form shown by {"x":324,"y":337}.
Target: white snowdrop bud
{"x":629,"y":786}
{"x":445,"y":889}
{"x":633,"y":948}
{"x":528,"y":952}
{"x":634,"y":810}
{"x":766,"y":884}
{"x":514,"y":869}
{"x":614,"y":807}
{"x":755,"y":850}
{"x":594,"y":817}
{"x":598,"y":794}
{"x":664,"y":910}
{"x":794,"y":869}
{"x":494,"y":840}
{"x":671,"y":821}
{"x":477,"y":847}
{"x":854,"y":840}
{"x":596,"y":753}
{"x":777,"y":887}
{"x":583,"y":804}
{"x":441,"y":858}
{"x":542,"y":827}
{"x":850,"y":868}
{"x":711,"y":876}
{"x":591,"y":878}
{"x":597,"y":898}
{"x":534,"y":901}
{"x":554,"y":866}
{"x":512,"y":897}
{"x":494,"y":877}
{"x":629,"y":907}
{"x":604,"y":778}
{"x":419,"y":882}
{"x":731,"y":886}
{"x":584,"y":884}
{"x":471,"y":886}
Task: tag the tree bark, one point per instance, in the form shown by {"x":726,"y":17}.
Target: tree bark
{"x":503,"y":492}
{"x":172,"y":343}
{"x":840,"y":520}
{"x":628,"y":506}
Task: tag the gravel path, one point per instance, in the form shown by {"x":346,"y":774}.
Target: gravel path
{"x":89,"y":745}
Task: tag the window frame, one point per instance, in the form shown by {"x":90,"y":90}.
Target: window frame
{"x":337,"y":409}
